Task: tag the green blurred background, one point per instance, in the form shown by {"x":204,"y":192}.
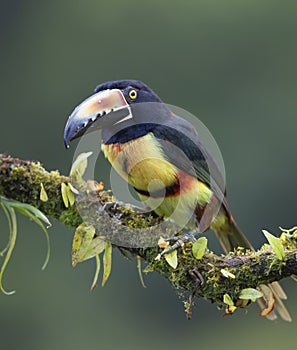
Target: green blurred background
{"x":233,"y":64}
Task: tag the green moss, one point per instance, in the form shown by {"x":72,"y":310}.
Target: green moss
{"x":70,"y":217}
{"x":21,"y":180}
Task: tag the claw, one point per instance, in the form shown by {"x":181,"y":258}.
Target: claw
{"x":109,"y":205}
{"x":186,"y":237}
{"x":114,"y":206}
{"x":179,"y":242}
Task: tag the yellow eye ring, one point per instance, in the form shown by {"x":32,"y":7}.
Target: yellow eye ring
{"x":132,"y":94}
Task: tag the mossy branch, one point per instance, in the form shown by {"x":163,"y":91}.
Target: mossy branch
{"x":23,"y":181}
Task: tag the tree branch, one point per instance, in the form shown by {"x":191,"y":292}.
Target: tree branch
{"x":21,"y":180}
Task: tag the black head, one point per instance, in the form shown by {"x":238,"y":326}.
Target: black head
{"x":115,"y":104}
{"x":142,"y":92}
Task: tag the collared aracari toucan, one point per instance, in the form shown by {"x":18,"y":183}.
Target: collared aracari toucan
{"x":160,"y":155}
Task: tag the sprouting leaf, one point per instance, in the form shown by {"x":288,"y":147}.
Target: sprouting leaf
{"x":33,"y":217}
{"x":171,"y":259}
{"x":107,"y":260}
{"x":95,"y":279}
{"x":73,"y":189}
{"x":85,"y":245}
{"x":140,"y":271}
{"x":31,"y":210}
{"x":199,"y":247}
{"x":6,"y":212}
{"x":9,"y":208}
{"x":80,"y":164}
{"x":43,"y":195}
{"x":10,"y":213}
{"x":275,"y":244}
{"x":67,"y":191}
{"x":290,"y":230}
{"x":250,"y":293}
{"x":64,"y":194}
{"x":227,"y":300}
{"x":268,"y":296}
{"x":227,"y":273}
{"x":70,"y":195}
{"x":37,"y":216}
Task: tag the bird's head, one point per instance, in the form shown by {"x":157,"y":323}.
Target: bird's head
{"x":113,"y":104}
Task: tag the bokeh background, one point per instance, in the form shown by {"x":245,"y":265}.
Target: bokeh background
{"x":233,"y":64}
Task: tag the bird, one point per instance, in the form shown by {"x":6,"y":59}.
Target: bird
{"x":161,"y":156}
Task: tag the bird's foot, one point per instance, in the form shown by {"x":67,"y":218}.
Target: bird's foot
{"x":109,"y":206}
{"x":179,"y":242}
{"x":113,"y":206}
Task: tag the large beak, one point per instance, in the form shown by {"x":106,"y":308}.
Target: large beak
{"x":102,"y":109}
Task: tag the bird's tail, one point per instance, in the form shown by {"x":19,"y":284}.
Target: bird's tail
{"x":230,"y":238}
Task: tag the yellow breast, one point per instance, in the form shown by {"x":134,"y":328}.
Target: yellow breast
{"x":142,"y":163}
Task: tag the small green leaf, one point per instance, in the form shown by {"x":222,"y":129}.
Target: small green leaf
{"x":250,"y":293}
{"x":43,"y":194}
{"x":171,"y":259}
{"x":275,"y":244}
{"x":70,"y":195}
{"x":107,"y":260}
{"x":80,"y":164}
{"x":227,"y":300}
{"x":199,"y":248}
{"x":84,"y":245}
{"x":67,"y":191}
{"x":64,"y":194}
{"x":96,"y":247}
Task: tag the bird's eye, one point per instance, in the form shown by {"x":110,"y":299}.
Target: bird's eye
{"x":132,"y":94}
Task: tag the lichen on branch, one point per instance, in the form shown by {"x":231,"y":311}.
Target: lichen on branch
{"x":219,"y":279}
